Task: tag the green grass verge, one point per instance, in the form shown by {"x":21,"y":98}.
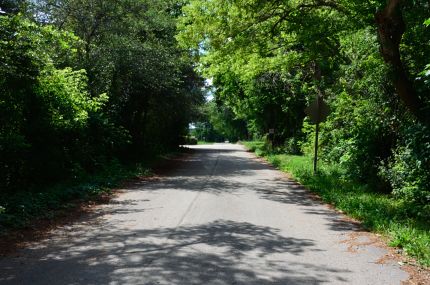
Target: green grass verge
{"x":379,"y":213}
{"x":20,"y":209}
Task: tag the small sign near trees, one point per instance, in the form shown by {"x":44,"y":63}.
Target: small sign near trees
{"x":318,"y":112}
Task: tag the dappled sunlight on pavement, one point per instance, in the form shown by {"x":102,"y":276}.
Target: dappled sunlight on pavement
{"x":223,"y":217}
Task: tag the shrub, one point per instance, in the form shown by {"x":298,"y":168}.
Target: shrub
{"x":408,"y":171}
{"x":190,"y":140}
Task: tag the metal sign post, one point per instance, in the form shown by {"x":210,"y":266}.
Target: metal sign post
{"x":317,"y":130}
{"x":317,"y":112}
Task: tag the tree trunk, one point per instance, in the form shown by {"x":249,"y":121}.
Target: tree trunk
{"x":391,"y":28}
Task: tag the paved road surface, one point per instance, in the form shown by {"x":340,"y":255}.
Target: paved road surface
{"x":222,"y":218}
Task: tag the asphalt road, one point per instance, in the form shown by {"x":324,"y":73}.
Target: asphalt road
{"x":223,"y":217}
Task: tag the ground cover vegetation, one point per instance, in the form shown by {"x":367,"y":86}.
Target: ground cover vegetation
{"x":86,"y":87}
{"x":369,"y":60}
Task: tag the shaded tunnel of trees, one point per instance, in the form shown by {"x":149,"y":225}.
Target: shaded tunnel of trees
{"x":86,"y":82}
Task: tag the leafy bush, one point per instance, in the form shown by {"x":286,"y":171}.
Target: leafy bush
{"x":51,"y":127}
{"x":362,"y":127}
{"x":65,"y":98}
{"x":190,"y":140}
{"x":409,"y":169}
{"x":292,"y":146}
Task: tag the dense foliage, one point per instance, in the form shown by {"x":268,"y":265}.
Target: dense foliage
{"x":217,"y":123}
{"x":368,"y":60}
{"x":83,"y":83}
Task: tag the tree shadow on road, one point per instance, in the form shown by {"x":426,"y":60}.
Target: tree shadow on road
{"x":221,"y":163}
{"x":286,"y":192}
{"x":220,"y":252}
